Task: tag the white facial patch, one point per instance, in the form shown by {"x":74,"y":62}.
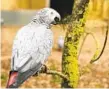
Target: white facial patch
{"x":45,"y":16}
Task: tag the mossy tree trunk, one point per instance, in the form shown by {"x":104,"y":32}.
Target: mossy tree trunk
{"x":74,"y":32}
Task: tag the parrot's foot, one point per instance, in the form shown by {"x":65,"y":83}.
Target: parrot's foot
{"x":43,"y":69}
{"x":36,"y":74}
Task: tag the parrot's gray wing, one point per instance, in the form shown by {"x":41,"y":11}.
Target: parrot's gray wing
{"x":31,"y":48}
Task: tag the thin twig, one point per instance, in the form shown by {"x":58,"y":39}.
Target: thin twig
{"x":86,"y":34}
{"x":104,"y":45}
{"x":82,"y":44}
{"x":97,"y":46}
{"x":96,"y":56}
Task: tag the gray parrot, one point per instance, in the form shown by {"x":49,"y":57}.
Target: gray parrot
{"x":32,"y":46}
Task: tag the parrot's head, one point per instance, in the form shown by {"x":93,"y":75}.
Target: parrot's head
{"x":47,"y":16}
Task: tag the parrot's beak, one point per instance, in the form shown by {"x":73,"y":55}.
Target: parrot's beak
{"x":56,"y":21}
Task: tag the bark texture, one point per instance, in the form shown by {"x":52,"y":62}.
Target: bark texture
{"x":74,"y":32}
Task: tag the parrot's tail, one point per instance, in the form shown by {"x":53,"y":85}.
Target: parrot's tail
{"x":16,"y":78}
{"x":12,"y":79}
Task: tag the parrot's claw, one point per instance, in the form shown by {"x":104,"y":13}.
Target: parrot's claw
{"x":36,"y":74}
{"x":44,"y":69}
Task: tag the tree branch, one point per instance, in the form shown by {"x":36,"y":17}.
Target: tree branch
{"x":45,"y":70}
{"x":53,"y":72}
{"x":74,"y":31}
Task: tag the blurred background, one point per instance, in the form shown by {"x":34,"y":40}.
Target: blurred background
{"x":17,"y":13}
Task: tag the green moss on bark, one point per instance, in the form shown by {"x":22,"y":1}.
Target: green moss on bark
{"x":69,"y":58}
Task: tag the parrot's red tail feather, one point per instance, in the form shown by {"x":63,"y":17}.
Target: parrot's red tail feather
{"x":12,"y":78}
